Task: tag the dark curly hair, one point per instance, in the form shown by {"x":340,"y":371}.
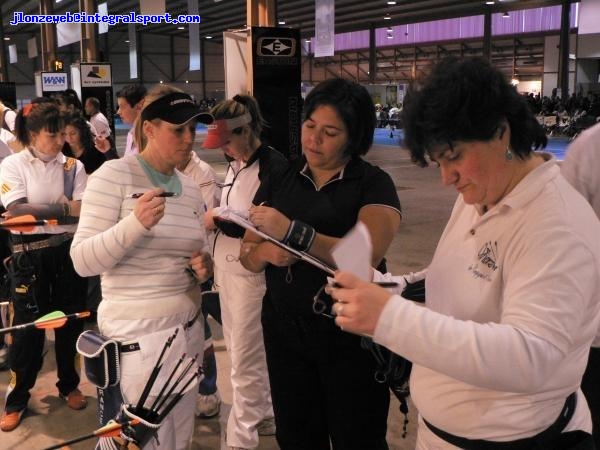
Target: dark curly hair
{"x":355,"y":107}
{"x":467,"y":99}
{"x":85,"y":134}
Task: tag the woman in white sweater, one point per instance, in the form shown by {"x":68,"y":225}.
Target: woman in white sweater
{"x":152,"y":253}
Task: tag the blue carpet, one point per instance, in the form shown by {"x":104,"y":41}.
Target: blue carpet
{"x":383,"y":136}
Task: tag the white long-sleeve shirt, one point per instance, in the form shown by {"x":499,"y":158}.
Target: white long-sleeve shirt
{"x":144,"y":272}
{"x":510,"y":315}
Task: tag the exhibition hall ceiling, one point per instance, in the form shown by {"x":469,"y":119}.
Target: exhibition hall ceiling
{"x":218,"y":16}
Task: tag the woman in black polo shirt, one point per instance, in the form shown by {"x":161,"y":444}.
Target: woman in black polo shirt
{"x":322,"y":381}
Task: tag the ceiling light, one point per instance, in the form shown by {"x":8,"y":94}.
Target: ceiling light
{"x":7,"y":38}
{"x":391,"y":2}
{"x":514,"y":81}
{"x":390,"y":30}
{"x":490,"y":2}
{"x":126,"y":40}
{"x":506,"y":15}
{"x":387,"y":17}
{"x":208,"y":36}
{"x":181,"y":28}
{"x":281,"y":22}
{"x":307,"y":41}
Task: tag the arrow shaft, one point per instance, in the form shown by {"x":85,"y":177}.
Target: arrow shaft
{"x":45,"y":324}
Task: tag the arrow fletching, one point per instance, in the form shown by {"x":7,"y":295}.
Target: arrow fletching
{"x":50,"y":321}
{"x":26,"y":222}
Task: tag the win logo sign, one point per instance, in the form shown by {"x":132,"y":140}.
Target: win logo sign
{"x":55,"y":80}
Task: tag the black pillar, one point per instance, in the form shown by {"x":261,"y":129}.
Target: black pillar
{"x":563,"y":52}
{"x":372,"y":55}
{"x":487,"y":33}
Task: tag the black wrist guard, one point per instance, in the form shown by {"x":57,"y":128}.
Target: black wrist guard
{"x":300,"y":235}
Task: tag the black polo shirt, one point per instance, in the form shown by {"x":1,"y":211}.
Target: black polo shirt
{"x":332,"y":210}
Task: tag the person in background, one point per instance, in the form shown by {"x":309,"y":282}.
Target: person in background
{"x":237,"y":131}
{"x":97,"y":119}
{"x":68,"y":102}
{"x":79,"y":143}
{"x":581,"y":168}
{"x":322,"y":381}
{"x":130,"y":100}
{"x":8,"y":142}
{"x":208,"y":403}
{"x":152,"y":252}
{"x":512,"y":305}
{"x":45,"y":183}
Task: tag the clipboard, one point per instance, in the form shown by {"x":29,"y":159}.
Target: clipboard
{"x":241,"y":218}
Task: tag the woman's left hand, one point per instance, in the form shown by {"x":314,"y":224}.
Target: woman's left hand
{"x":202,"y":265}
{"x":358,"y":304}
{"x":270,"y":221}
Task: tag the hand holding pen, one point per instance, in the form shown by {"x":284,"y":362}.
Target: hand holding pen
{"x":162,"y":194}
{"x":150,"y":207}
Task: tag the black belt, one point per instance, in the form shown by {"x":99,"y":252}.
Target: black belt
{"x":53,"y":241}
{"x":135,"y":346}
{"x":540,"y":440}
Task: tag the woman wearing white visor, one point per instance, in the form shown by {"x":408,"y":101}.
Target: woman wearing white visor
{"x":237,"y":131}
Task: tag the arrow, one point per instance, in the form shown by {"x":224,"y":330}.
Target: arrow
{"x":50,"y":321}
{"x":26,"y":222}
{"x":111,"y":429}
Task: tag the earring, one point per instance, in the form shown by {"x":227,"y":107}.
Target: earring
{"x":508,"y":155}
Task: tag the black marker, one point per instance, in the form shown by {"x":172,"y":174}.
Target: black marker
{"x":162,"y":194}
{"x":378,"y":283}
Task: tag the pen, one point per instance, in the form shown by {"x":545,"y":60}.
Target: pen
{"x":162,"y":194}
{"x":378,"y":283}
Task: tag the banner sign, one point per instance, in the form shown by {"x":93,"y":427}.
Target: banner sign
{"x":96,"y":75}
{"x":324,"y":28}
{"x":54,"y":81}
{"x":276,"y":85}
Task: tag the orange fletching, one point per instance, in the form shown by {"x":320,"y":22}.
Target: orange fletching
{"x":26,"y":222}
{"x":51,"y":324}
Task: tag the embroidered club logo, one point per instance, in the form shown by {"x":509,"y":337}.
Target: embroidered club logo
{"x":487,"y":257}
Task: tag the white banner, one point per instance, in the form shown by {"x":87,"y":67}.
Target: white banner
{"x":32,"y":49}
{"x":67,"y":33}
{"x":103,"y":11}
{"x":12,"y":54}
{"x":324,"y":28}
{"x":194,"y":37}
{"x":133,"y":69}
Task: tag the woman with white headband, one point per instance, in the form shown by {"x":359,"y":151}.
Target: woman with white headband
{"x":237,"y":131}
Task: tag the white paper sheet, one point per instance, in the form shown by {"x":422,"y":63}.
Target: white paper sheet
{"x":353,"y":253}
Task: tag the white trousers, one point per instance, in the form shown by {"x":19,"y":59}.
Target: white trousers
{"x":241,"y":304}
{"x":177,"y":428}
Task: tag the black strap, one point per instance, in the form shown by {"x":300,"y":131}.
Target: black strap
{"x":542,"y":440}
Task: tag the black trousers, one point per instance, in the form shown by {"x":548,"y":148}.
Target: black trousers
{"x":322,"y":385}
{"x":590,"y":385}
{"x":55,"y":286}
